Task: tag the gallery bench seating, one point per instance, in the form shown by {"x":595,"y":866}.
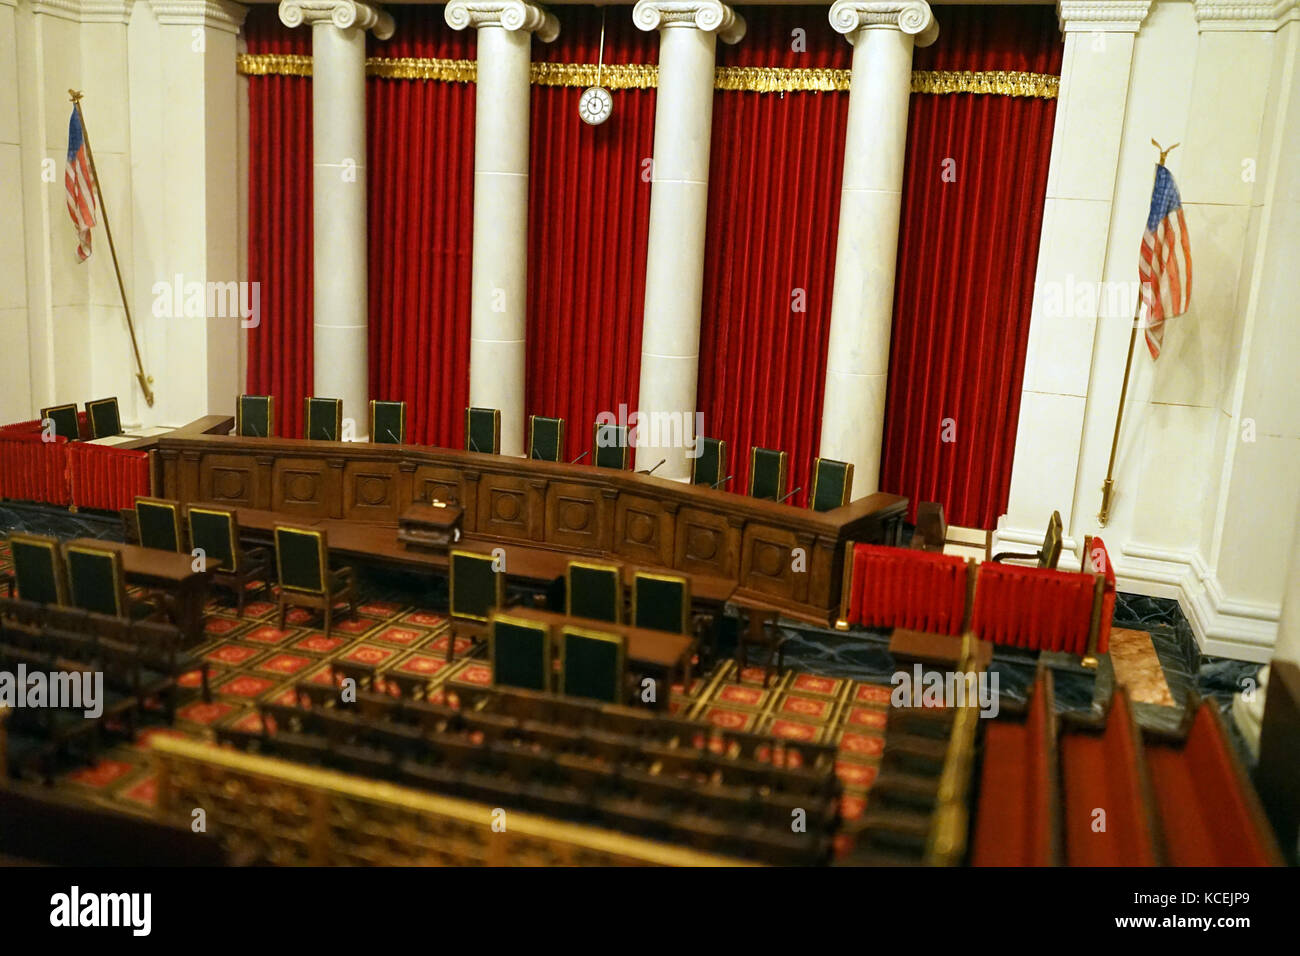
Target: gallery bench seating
{"x":1209,"y":812}
{"x":1017,"y":820}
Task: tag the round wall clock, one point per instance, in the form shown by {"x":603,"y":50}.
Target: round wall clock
{"x":595,"y":105}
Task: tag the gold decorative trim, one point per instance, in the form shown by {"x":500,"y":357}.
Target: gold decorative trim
{"x":641,"y":76}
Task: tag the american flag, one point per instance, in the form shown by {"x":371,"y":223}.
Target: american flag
{"x":1165,"y":262}
{"x":76,"y":177}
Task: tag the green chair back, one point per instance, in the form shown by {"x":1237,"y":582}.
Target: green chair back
{"x":592,"y":664}
{"x":324,"y":417}
{"x":594,"y":591}
{"x":661,"y":602}
{"x":255,"y":416}
{"x":66,"y":424}
{"x":610,"y":444}
{"x":483,"y":430}
{"x":214,"y":531}
{"x":301,"y":558}
{"x":159,"y":522}
{"x":832,"y":484}
{"x":520,"y":652}
{"x":95,"y":580}
{"x":767,"y":473}
{"x":710,"y":466}
{"x":476,"y":587}
{"x":38,"y":568}
{"x":103,"y":417}
{"x":387,"y":422}
{"x":545,"y":438}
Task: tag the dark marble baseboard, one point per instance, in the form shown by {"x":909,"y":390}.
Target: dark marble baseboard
{"x":59,"y":522}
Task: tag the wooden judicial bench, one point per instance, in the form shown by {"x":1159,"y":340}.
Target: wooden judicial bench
{"x":575,"y":510}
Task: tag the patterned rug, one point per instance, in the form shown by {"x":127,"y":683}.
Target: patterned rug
{"x":253,"y":660}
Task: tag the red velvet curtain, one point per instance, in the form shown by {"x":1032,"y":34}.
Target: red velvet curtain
{"x":967,"y":252}
{"x":420,"y":151}
{"x":774,"y":199}
{"x":280,"y":222}
{"x":588,"y":218}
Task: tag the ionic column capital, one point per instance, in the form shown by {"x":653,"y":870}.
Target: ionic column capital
{"x":507,"y":14}
{"x":342,"y":13}
{"x":711,"y":16}
{"x":1242,"y":17}
{"x":912,"y":17}
{"x":1101,"y":16}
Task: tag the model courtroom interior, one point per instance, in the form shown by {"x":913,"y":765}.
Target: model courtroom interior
{"x":654,"y":433}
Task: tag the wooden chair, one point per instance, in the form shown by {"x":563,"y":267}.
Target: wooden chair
{"x":66,"y":423}
{"x":103,"y":418}
{"x":159,"y":523}
{"x":610,"y":444}
{"x":832,"y":484}
{"x":158,"y":646}
{"x":661,"y":602}
{"x":710,"y":466}
{"x":255,"y":416}
{"x":483,"y":430}
{"x":1048,"y":555}
{"x":216,"y":532}
{"x":768,"y":470}
{"x":931,"y":528}
{"x":38,"y":568}
{"x":594,"y":591}
{"x":323,"y":418}
{"x":302,"y":563}
{"x":96,"y":582}
{"x":387,"y":422}
{"x":593,"y":664}
{"x":520,"y":652}
{"x":761,"y":631}
{"x":477,"y":589}
{"x":545,"y":438}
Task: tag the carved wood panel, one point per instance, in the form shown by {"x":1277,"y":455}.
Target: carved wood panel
{"x":370,"y":491}
{"x":228,"y":479}
{"x":432,"y":483}
{"x":705,"y":543}
{"x":766,"y":562}
{"x":643,"y":530}
{"x":574,"y":515}
{"x":301,"y":486}
{"x":503,"y":506}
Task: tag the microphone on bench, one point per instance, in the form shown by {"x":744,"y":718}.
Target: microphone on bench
{"x":652,"y":470}
{"x":396,"y":440}
{"x":792,"y":494}
{"x":580,"y":457}
{"x":722,"y":481}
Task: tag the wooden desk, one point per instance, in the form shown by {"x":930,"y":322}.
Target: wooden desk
{"x":576,"y":510}
{"x":167,"y":571}
{"x":655,"y":654}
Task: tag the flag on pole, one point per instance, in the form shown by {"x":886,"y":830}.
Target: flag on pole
{"x":1165,"y":263}
{"x":76,"y":178}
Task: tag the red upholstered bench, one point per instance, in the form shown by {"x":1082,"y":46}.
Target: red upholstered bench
{"x":901,"y":587}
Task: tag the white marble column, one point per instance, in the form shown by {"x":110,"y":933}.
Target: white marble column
{"x":338,"y":100}
{"x":679,"y":198}
{"x":862,"y":305}
{"x":499,"y":287}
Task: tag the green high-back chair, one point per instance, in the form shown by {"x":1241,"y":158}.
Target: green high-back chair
{"x":767,"y":473}
{"x":661,"y":602}
{"x":483,"y":430}
{"x":159,"y":522}
{"x":520,"y":652}
{"x":592,"y":664}
{"x":476,"y":588}
{"x":95,"y":580}
{"x":594,"y":591}
{"x":710,"y":466}
{"x":213,"y":531}
{"x":324,"y":418}
{"x":832,"y":484}
{"x":545,"y":438}
{"x":387,"y":422}
{"x":38,"y":568}
{"x":610,"y":446}
{"x":255,"y":416}
{"x":301,"y":559}
{"x":103,"y":418}
{"x":66,"y":423}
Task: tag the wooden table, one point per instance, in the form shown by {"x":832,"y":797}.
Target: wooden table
{"x":656,"y":654}
{"x":167,"y":571}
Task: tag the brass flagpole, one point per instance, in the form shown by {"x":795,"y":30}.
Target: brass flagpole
{"x":1108,"y":486}
{"x":143,"y":379}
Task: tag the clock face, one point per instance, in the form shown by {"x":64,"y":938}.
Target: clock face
{"x":595,"y":106}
